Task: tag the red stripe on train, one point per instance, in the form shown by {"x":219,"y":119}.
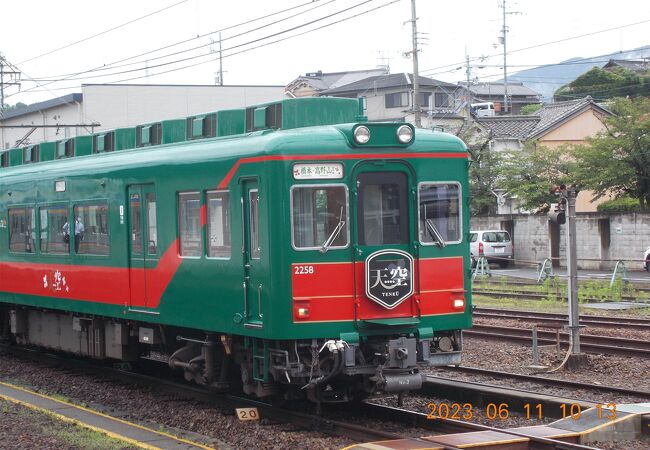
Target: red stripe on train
{"x":96,"y":284}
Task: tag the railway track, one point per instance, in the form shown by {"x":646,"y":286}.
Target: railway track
{"x":549,"y":381}
{"x":225,"y":402}
{"x":447,"y":425}
{"x":589,"y":343}
{"x":229,"y":402}
{"x":632,"y":323}
{"x":538,"y":296}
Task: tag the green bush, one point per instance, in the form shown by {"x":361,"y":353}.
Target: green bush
{"x":530,"y":109}
{"x":622,"y":204}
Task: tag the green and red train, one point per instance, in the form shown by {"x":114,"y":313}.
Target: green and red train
{"x":291,"y":247}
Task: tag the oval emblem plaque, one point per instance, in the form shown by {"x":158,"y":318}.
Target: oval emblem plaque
{"x":389,"y":277}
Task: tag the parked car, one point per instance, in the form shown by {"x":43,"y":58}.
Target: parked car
{"x":495,"y":245}
{"x":646,"y":258}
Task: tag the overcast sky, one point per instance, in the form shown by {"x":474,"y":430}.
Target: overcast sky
{"x":370,"y":33}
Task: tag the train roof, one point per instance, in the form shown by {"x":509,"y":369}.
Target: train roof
{"x":290,"y":126}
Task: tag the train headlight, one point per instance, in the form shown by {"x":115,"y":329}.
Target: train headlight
{"x":361,"y":134}
{"x":302,"y":311}
{"x":459,"y":303}
{"x":405,"y":134}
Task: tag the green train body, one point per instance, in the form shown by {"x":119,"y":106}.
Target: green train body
{"x":282,"y":249}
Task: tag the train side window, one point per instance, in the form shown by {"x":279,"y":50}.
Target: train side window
{"x":189,"y":223}
{"x":218,"y":226}
{"x":53,"y":239}
{"x":319,"y":212}
{"x":21,"y":230}
{"x":136,"y":234}
{"x":152,"y":246}
{"x":90,"y":227}
{"x":439,"y":207}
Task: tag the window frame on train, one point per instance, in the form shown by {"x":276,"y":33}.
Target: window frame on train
{"x":225,"y":231}
{"x":422,"y":232}
{"x":59,"y":230}
{"x":345,"y":232}
{"x":75,"y":214}
{"x":32,"y":230}
{"x":181,"y":222}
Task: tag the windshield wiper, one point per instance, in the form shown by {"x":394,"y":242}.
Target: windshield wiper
{"x":435,"y":234}
{"x":335,"y":233}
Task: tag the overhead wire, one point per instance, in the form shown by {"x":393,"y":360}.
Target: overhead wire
{"x":102,"y":32}
{"x":117,"y":64}
{"x":557,"y":41}
{"x":247,"y":43}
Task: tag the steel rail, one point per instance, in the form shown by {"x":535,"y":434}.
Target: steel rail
{"x":549,"y":381}
{"x":617,"y":319}
{"x":561,"y":319}
{"x":589,"y":343}
{"x":538,"y":296}
{"x":458,"y":426}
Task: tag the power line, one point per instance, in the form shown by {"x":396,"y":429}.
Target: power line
{"x":543,"y":44}
{"x":248,"y":49}
{"x":177,"y":61}
{"x":117,"y":65}
{"x":103,"y":32}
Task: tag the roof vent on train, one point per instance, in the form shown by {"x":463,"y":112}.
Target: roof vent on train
{"x":31,"y":154}
{"x":302,"y":112}
{"x":164,"y":132}
{"x":114,"y":140}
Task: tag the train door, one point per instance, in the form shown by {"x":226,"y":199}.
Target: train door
{"x":253,"y":250}
{"x":385,"y":253}
{"x":143,"y":241}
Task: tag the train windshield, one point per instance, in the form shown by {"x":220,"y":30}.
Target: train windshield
{"x":439,"y":212}
{"x":320,"y":217}
{"x":382,"y":208}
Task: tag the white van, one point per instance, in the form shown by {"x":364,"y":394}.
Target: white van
{"x":485,"y":109}
{"x":494,"y":245}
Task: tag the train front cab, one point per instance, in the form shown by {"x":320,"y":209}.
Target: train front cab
{"x":380,"y":256}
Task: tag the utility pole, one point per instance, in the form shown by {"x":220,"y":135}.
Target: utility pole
{"x":14,"y":77}
{"x":504,"y":31}
{"x":220,"y":62}
{"x":416,"y":72}
{"x":468,"y":72}
{"x":575,"y":359}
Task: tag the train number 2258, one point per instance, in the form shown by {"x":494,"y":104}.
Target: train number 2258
{"x":303,"y":270}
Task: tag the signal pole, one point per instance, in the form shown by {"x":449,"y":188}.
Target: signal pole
{"x":416,"y":75}
{"x":575,"y":359}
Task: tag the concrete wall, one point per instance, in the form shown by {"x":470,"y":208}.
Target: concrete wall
{"x":602,"y":239}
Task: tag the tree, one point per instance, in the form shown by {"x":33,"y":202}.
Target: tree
{"x":529,"y":110}
{"x":483,"y":168}
{"x":530,"y":174}
{"x":617,"y":161}
{"x":603,"y":84}
{"x":11,"y":107}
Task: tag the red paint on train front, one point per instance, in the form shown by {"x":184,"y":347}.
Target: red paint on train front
{"x":326,"y":291}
